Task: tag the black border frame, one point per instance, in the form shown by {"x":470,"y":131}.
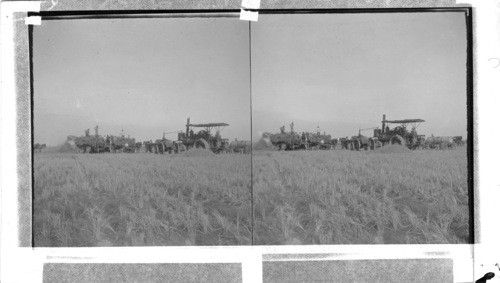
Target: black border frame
{"x":196,"y":13}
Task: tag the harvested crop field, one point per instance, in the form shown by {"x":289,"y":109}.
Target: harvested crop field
{"x":388,"y":196}
{"x":141,"y":199}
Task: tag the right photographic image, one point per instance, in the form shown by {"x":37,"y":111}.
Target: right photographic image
{"x":360,"y":126}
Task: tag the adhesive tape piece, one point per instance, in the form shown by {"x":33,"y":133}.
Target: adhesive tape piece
{"x":33,"y":20}
{"x":250,"y":4}
{"x":246,"y":15}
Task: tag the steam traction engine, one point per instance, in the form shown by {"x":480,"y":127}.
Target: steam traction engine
{"x":204,"y":138}
{"x":400,"y":134}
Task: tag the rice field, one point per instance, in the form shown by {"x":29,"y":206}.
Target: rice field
{"x":304,"y":197}
{"x":141,"y":200}
{"x":389,"y":196}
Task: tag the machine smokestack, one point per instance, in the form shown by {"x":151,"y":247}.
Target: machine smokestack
{"x":383,"y":124}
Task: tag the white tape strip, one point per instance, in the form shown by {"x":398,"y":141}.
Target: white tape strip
{"x":33,"y":20}
{"x":20,"y":6}
{"x":250,"y":4}
{"x":246,"y":15}
{"x":249,"y":15}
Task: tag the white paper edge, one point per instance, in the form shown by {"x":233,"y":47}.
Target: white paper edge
{"x":25,"y":264}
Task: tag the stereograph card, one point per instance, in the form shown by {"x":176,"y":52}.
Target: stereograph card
{"x":255,"y":141}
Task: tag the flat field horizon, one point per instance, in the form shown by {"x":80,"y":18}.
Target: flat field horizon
{"x":386,"y":196}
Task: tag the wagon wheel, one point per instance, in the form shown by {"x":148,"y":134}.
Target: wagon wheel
{"x":397,"y":139}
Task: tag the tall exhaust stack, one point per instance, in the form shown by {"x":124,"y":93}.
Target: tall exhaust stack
{"x":187,"y":127}
{"x":383,"y":124}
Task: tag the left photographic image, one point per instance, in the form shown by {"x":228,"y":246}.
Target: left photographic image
{"x":141,"y":132}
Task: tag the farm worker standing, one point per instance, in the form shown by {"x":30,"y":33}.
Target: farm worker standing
{"x":414,"y":131}
{"x":413,"y":135}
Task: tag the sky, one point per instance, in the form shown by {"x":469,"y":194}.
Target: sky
{"x":338,"y":72}
{"x":342,"y":72}
{"x":145,"y":76}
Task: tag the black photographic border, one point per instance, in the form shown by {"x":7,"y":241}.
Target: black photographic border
{"x":109,"y":14}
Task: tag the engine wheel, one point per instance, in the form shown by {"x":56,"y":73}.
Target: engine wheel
{"x":397,"y":139}
{"x":357,"y":145}
{"x":201,"y":143}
